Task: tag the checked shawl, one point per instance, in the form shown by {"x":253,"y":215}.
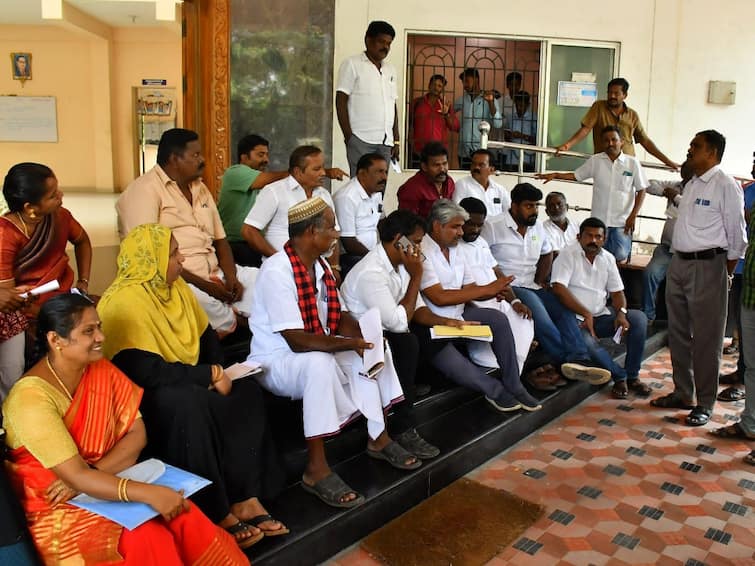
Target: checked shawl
{"x":305,"y":290}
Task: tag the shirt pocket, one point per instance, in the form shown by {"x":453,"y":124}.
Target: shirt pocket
{"x":703,"y":214}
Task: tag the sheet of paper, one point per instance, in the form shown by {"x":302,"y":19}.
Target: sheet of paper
{"x":617,"y":335}
{"x":395,"y":166}
{"x":46,"y":288}
{"x":131,"y":515}
{"x":372,"y":331}
{"x":480,"y":332}
{"x":243,"y":369}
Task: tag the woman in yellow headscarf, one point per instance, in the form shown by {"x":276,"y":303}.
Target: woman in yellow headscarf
{"x":159,"y":336}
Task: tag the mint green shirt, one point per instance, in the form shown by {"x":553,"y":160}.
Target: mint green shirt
{"x":236,"y":199}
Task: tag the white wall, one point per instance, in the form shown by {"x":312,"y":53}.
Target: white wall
{"x":670,"y":49}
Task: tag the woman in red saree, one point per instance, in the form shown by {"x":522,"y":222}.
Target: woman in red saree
{"x":33,"y":239}
{"x":72,"y":423}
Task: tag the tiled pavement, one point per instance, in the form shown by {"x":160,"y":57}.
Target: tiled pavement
{"x":624,"y":483}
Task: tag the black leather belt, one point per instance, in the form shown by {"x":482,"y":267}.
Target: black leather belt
{"x":705,"y":254}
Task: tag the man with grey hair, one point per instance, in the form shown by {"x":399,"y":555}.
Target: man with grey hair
{"x":448,"y":287}
{"x":561,"y":231}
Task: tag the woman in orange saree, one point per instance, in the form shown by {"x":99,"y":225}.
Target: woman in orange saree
{"x":72,"y":423}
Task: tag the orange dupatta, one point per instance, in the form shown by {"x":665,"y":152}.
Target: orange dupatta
{"x":103,"y":409}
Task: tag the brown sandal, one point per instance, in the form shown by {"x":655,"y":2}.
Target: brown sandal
{"x":732,"y":431}
{"x":639,"y":388}
{"x":620,"y":390}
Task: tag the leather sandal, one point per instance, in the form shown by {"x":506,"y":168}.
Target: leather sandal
{"x":620,"y":390}
{"x":242,"y":527}
{"x":731,"y":378}
{"x":698,"y":417}
{"x":732,"y":431}
{"x":750,"y":458}
{"x":639,"y":388}
{"x":396,"y":455}
{"x":331,"y":490}
{"x":731,"y":394}
{"x":267,"y":518}
{"x":671,"y":401}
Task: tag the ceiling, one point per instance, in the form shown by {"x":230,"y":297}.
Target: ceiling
{"x":114,"y":13}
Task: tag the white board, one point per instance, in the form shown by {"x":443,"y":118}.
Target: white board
{"x":28,"y":119}
{"x":572,"y":93}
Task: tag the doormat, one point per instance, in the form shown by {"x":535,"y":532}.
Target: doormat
{"x":465,"y":524}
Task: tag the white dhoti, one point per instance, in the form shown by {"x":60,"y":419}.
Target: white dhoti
{"x":523,"y":330}
{"x":222,"y":316}
{"x":331,"y":388}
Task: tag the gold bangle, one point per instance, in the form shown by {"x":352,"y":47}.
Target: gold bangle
{"x":82,"y":280}
{"x":120,"y":489}
{"x":217,"y":373}
{"x":125,"y":490}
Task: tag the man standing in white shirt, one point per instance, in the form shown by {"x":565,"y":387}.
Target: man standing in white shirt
{"x":388,"y":278}
{"x":708,"y":240}
{"x":359,"y":207}
{"x":366,"y":94}
{"x":270,"y":213}
{"x":312,"y":350}
{"x":559,"y":228}
{"x":618,"y":190}
{"x":448,"y":289}
{"x":583,"y":275}
{"x":480,"y":185}
{"x":522,"y":249}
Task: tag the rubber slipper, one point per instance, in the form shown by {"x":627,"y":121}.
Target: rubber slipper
{"x":698,"y":417}
{"x":733,"y":431}
{"x":731,"y":394}
{"x":620,"y":390}
{"x":241,"y":527}
{"x":265,"y":518}
{"x":396,"y":455}
{"x":331,"y":490}
{"x":639,"y":388}
{"x":671,"y":401}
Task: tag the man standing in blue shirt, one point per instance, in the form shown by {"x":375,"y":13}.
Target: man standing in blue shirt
{"x":475,"y":106}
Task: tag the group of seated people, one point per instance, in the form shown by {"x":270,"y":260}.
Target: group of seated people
{"x":474,"y":255}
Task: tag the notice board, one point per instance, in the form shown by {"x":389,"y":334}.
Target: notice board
{"x":28,"y":119}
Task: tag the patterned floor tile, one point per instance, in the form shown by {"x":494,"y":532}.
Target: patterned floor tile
{"x":627,"y":486}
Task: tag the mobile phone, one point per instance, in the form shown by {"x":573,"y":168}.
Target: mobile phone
{"x":406,"y":244}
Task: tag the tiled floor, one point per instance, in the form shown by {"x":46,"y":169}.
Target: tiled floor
{"x":624,"y":483}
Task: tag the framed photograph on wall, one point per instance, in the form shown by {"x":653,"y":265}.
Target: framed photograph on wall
{"x":21,"y":66}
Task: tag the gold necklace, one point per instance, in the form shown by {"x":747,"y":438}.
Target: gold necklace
{"x":23,"y":224}
{"x":60,"y":381}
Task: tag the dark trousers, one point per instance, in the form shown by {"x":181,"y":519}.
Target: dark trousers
{"x":244,"y":255}
{"x":405,"y":348}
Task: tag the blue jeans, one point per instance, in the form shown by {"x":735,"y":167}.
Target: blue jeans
{"x":653,"y":276}
{"x":635,"y":341}
{"x":556,"y":328}
{"x":618,"y":243}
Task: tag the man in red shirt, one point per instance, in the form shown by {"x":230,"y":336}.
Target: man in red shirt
{"x":432,"y":117}
{"x":428,"y":184}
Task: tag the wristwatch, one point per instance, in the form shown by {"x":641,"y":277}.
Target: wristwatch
{"x":623,"y":310}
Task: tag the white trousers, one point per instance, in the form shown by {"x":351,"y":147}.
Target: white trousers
{"x":331,"y":388}
{"x":222,"y":315}
{"x":523,"y":330}
{"x":11,"y":362}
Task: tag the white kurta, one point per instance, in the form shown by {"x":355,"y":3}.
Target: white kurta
{"x":331,"y":386}
{"x":481,"y":262}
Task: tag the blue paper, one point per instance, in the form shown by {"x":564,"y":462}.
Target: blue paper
{"x":131,"y":515}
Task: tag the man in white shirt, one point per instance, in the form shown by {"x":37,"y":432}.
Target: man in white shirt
{"x":388,"y":278}
{"x":480,"y":185}
{"x":522,"y":249}
{"x":359,"y":207}
{"x":709,"y":238}
{"x":366,"y":94}
{"x":561,"y":231}
{"x":270,"y":213}
{"x":583,"y":275}
{"x":485,"y":270}
{"x":311,"y":350}
{"x":448,"y":289}
{"x":617,"y":193}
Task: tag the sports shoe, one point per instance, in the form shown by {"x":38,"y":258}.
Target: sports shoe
{"x":506,"y":407}
{"x":527,"y":401}
{"x":590,"y":374}
{"x":414,"y":443}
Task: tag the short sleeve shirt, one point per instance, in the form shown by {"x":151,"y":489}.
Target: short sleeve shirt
{"x":590,"y":283}
{"x":517,"y":255}
{"x":270,"y":212}
{"x":614,"y":186}
{"x":358,"y":213}
{"x":599,"y":116}
{"x":495,"y":197}
{"x":560,"y":238}
{"x":451,"y":273}
{"x":236,"y":198}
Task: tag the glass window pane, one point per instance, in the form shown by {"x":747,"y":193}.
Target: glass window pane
{"x":281,"y":56}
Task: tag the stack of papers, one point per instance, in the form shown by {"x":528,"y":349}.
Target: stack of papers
{"x":372,"y":331}
{"x":481,"y":332}
{"x":245,"y":369}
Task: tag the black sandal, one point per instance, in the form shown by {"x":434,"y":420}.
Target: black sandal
{"x":265,"y":518}
{"x":331,"y":490}
{"x":731,"y":394}
{"x":242,"y":527}
{"x":396,"y":455}
{"x":639,"y":388}
{"x":670,"y":401}
{"x":698,"y":417}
